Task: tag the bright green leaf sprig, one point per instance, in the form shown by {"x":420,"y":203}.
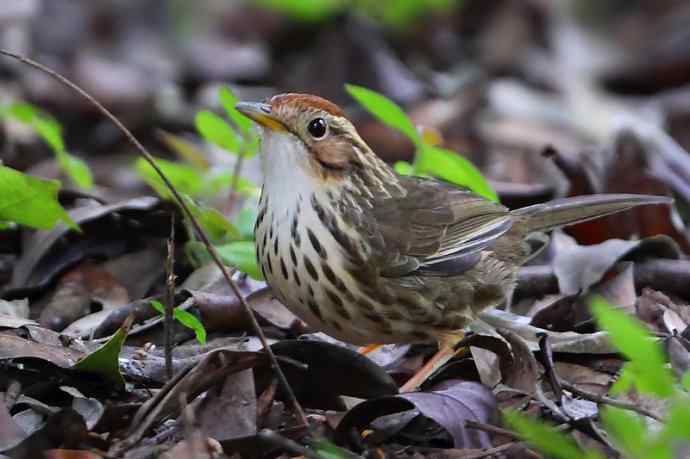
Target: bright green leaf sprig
{"x":429,"y":159}
{"x":392,"y":13}
{"x":647,"y":372}
{"x":105,"y":360}
{"x":50,"y":132}
{"x":646,"y":368}
{"x":546,"y":438}
{"x":195,"y":180}
{"x":30,"y":201}
{"x":185,"y":318}
{"x":193,"y":176}
{"x":237,"y":137}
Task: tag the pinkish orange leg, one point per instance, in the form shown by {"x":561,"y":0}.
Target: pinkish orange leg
{"x":369,"y":348}
{"x":445,"y":353}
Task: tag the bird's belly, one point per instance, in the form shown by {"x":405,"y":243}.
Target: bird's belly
{"x":321,"y":307}
{"x":308,"y":273}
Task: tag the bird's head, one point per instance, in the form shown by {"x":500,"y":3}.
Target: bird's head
{"x":307,"y":132}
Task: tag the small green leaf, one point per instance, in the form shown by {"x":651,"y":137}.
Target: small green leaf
{"x":30,"y":201}
{"x":190,"y":321}
{"x":327,"y":450}
{"x":629,"y":336}
{"x":453,"y":168}
{"x":185,"y":150}
{"x":625,"y":381}
{"x":21,"y":111}
{"x":245,"y":222}
{"x":51,"y":133}
{"x":677,"y":422}
{"x":158,"y":306}
{"x":546,"y":438}
{"x":627,"y":429}
{"x":212,"y":221}
{"x":105,"y":361}
{"x":185,"y":318}
{"x":76,"y":169}
{"x":387,"y":111}
{"x":222,"y":179}
{"x":305,"y":10}
{"x":228,"y":101}
{"x":186,"y":179}
{"x":247,"y":188}
{"x":403,"y":168}
{"x":242,"y":255}
{"x":214,"y":129}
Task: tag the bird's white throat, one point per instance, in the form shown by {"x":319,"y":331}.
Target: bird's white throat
{"x":286,"y":179}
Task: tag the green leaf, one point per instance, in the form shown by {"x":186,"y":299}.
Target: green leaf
{"x":546,"y":438}
{"x":327,"y":450}
{"x":76,"y":169}
{"x":185,"y":318}
{"x":228,"y":100}
{"x":242,"y":255}
{"x":189,"y":320}
{"x":221,"y":179}
{"x":247,"y":188}
{"x":387,"y":111}
{"x":625,"y":381}
{"x":403,"y":168}
{"x":245,"y":222}
{"x":30,"y":201}
{"x":629,"y":336}
{"x":212,"y":221}
{"x":305,"y":10}
{"x":51,"y":133}
{"x":186,"y":179}
{"x":105,"y":361}
{"x":21,"y":111}
{"x":453,"y":168}
{"x":214,"y":129}
{"x":627,"y":429}
{"x":158,"y":306}
{"x":184,"y":149}
{"x":677,"y":422}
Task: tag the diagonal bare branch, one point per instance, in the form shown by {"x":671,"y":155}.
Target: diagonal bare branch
{"x":197,"y":227}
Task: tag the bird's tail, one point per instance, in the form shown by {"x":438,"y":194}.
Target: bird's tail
{"x":568,"y":211}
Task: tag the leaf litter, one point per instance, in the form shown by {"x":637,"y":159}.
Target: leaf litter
{"x":77,"y":381}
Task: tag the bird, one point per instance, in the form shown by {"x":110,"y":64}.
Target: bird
{"x":369,"y":256}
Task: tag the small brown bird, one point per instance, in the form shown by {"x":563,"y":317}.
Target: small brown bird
{"x":368,"y":256}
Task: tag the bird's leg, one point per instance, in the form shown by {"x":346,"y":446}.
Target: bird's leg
{"x":369,"y":348}
{"x":447,"y":351}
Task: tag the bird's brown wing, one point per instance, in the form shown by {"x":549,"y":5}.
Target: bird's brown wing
{"x":435,"y":229}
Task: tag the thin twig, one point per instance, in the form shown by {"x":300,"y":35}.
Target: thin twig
{"x":197,"y":227}
{"x":608,"y":401}
{"x":169,"y":300}
{"x":547,"y":361}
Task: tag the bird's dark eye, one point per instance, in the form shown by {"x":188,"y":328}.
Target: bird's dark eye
{"x":317,"y":128}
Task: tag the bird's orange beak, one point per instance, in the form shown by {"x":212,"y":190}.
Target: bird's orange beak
{"x":261,"y":114}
